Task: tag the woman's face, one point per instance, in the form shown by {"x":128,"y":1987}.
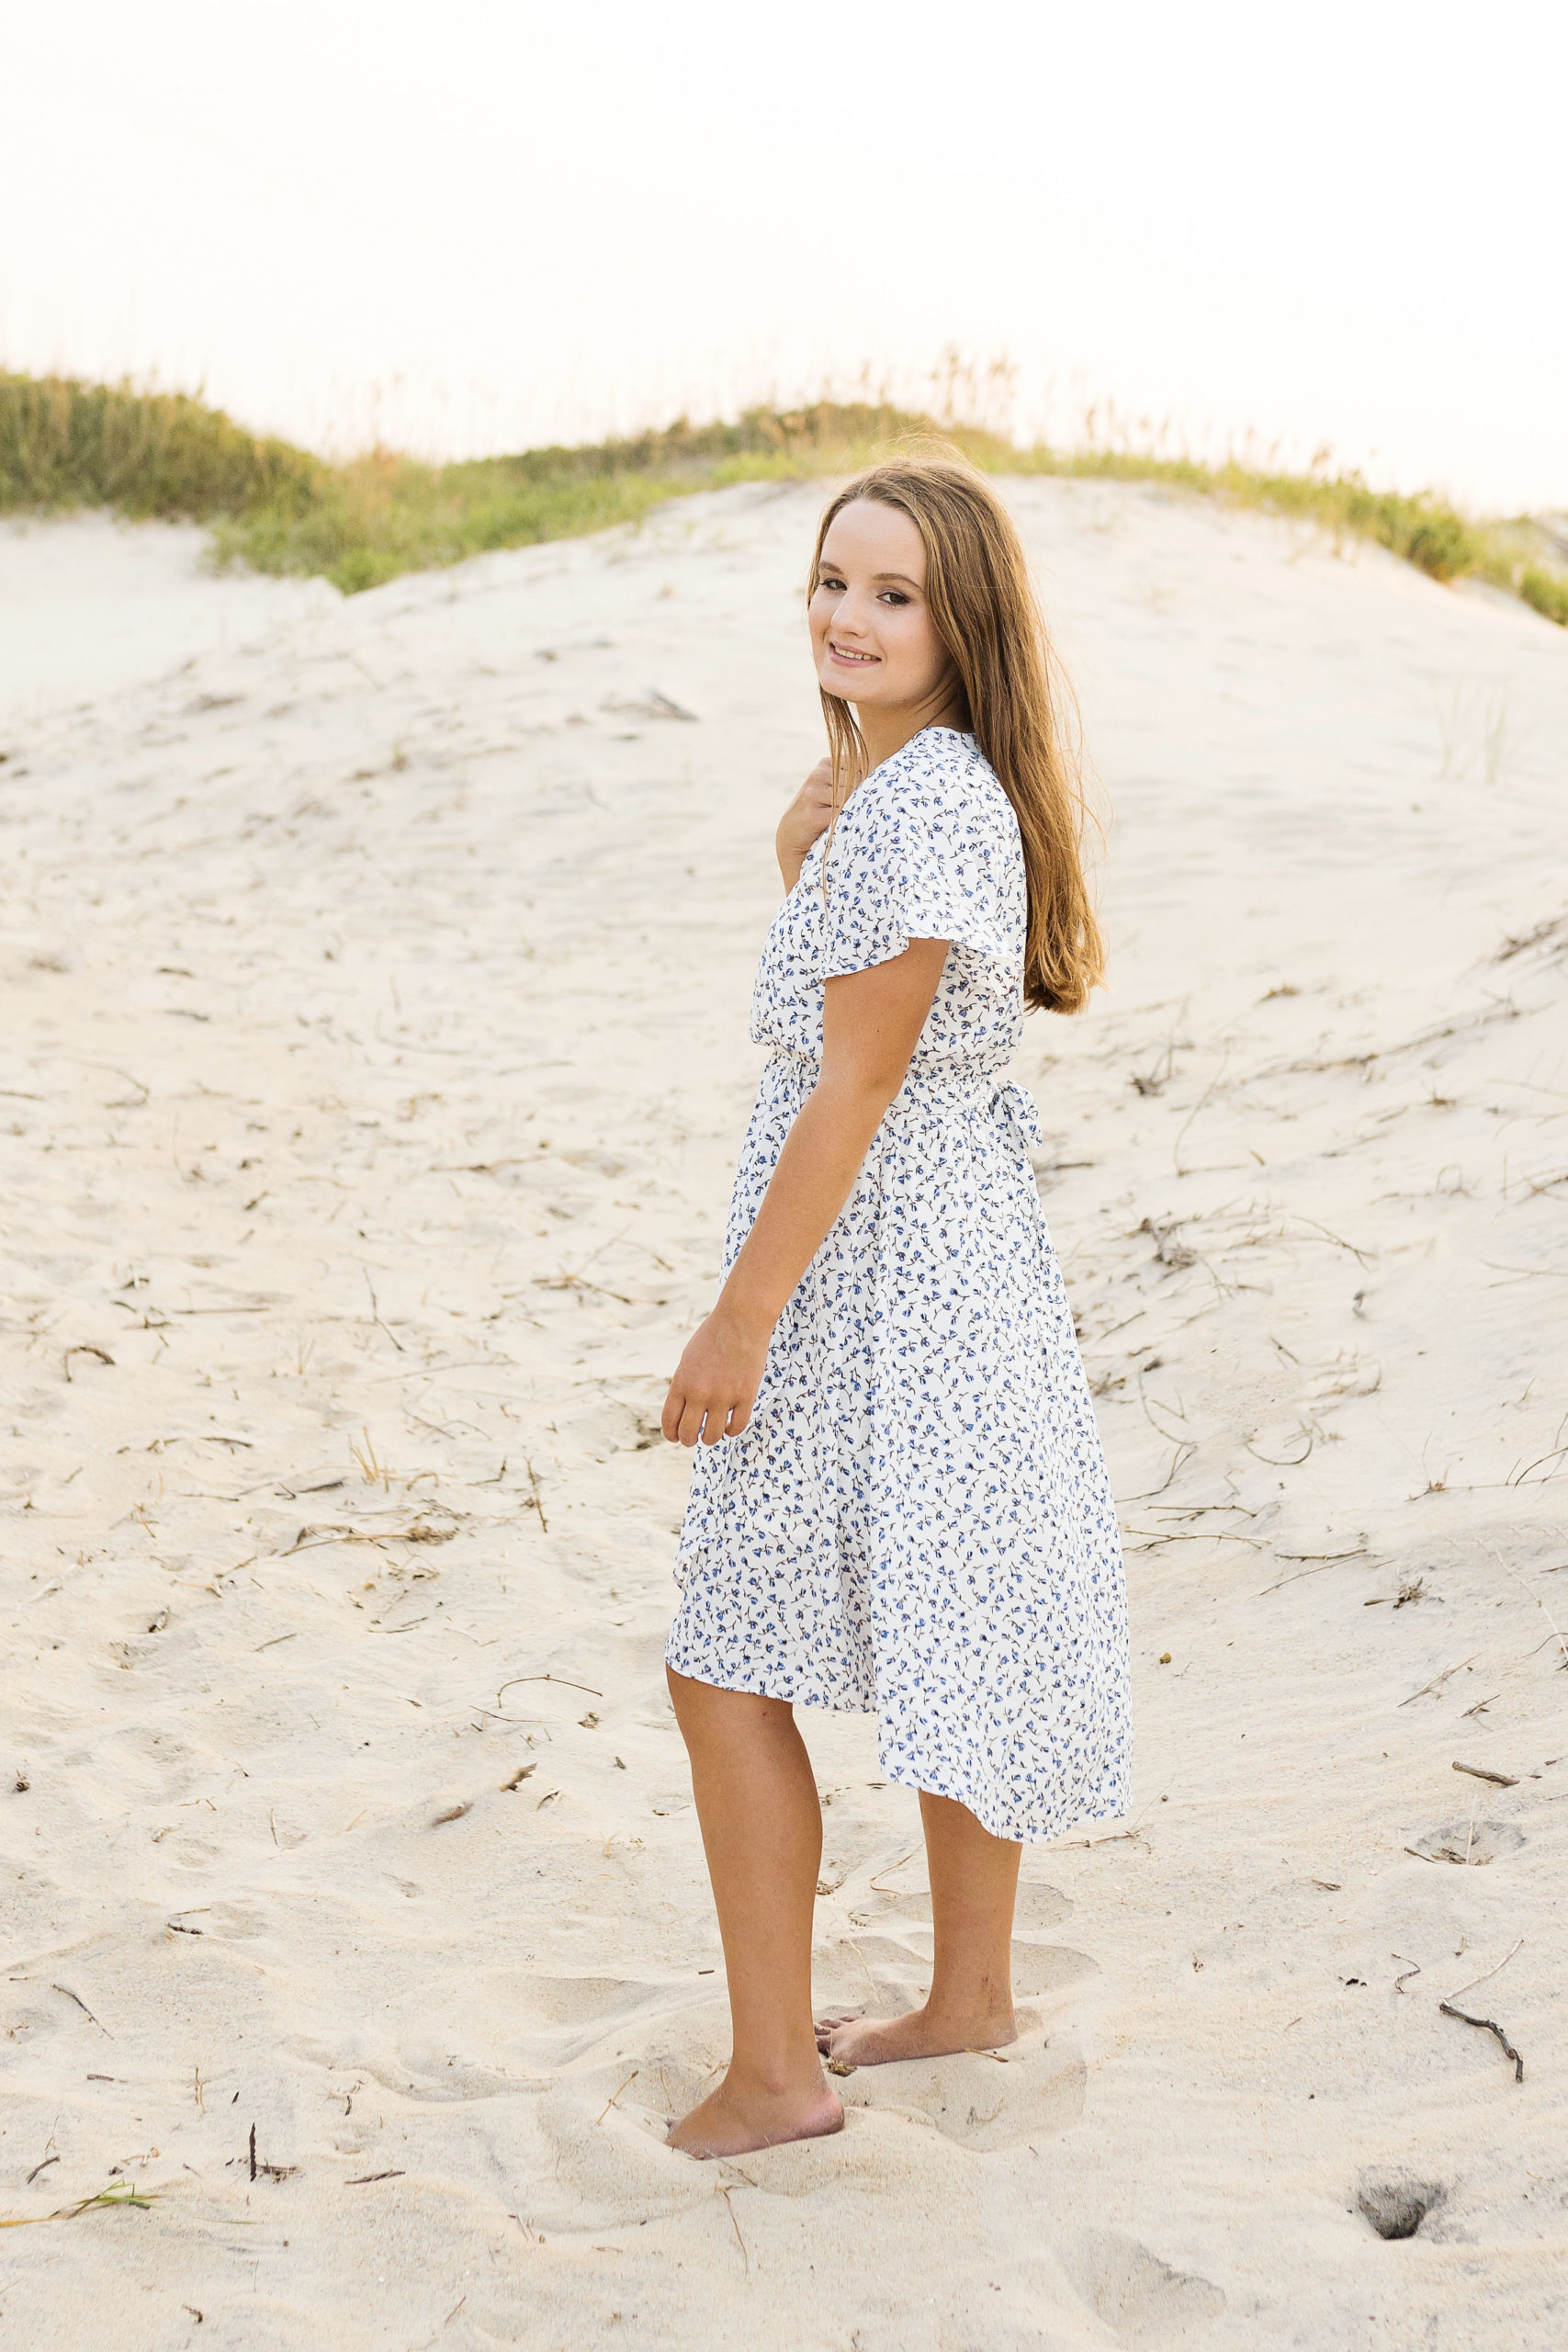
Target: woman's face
{"x":872,"y":634}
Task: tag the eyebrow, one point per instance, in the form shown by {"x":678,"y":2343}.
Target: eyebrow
{"x":902,"y":577}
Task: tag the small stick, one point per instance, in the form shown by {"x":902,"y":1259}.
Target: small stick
{"x":1365,"y":1256}
{"x":82,"y":2005}
{"x":1487,"y":2025}
{"x":376,"y":1312}
{"x":1488,"y":1975}
{"x":1498,"y":1780}
{"x":252,"y":2152}
{"x":609,"y":2103}
{"x":1412,"y":1968}
{"x":535,"y":1502}
{"x":562,"y":1679}
{"x":735,"y":2225}
{"x":889,"y":1869}
{"x":366,"y":2177}
{"x":1437,"y":1678}
{"x":1329,"y":1560}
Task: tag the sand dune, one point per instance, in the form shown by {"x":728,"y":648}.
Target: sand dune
{"x":374,"y":1056}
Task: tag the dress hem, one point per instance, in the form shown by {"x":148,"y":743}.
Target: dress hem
{"x":901,"y":1776}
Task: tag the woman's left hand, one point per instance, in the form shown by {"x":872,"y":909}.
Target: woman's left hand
{"x":716,"y":1380}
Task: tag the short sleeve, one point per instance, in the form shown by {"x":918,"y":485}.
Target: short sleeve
{"x":912,"y":860}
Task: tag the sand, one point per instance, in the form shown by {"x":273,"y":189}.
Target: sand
{"x":375,"y":1058}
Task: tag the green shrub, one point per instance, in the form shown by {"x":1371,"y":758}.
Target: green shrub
{"x":1547,"y":591}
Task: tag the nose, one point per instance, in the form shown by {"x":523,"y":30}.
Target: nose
{"x":849,"y":615}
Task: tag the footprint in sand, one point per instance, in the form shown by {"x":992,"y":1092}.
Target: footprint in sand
{"x":1032,"y":2090}
{"x":1141,"y":2299}
{"x":605,"y":2125}
{"x":1469,"y":1842}
{"x":580,"y":2000}
{"x":425,"y":2075}
{"x":561,"y":2021}
{"x":1041,"y":1971}
{"x":882,"y":1974}
{"x":1013,"y":2099}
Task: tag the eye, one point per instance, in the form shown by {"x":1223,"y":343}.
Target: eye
{"x":893,"y":596}
{"x":831,"y":580}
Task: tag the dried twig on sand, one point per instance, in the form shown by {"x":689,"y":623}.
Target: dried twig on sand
{"x":82,"y":2005}
{"x":1487,"y":2025}
{"x":610,"y":2102}
{"x":564,"y":1680}
{"x":1438,"y":1679}
{"x":375,"y":1316}
{"x":1488,"y":1973}
{"x":887,"y":1869}
{"x":721,"y":2190}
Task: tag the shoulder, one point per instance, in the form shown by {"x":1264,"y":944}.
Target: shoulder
{"x":941,"y":786}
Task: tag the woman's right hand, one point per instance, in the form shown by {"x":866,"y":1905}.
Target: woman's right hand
{"x":805,"y":820}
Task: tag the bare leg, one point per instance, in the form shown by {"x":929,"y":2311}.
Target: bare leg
{"x":762,"y":1834}
{"x":974,"y":1881}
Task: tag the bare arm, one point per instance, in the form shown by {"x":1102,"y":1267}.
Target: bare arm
{"x":872,"y":1023}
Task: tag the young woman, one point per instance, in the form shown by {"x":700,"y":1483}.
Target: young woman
{"x":898,"y":1501}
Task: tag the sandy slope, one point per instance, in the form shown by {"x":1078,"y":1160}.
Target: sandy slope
{"x":89,"y":605}
{"x":375,"y":1056}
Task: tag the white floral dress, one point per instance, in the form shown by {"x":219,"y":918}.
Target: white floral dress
{"x":916,"y":1521}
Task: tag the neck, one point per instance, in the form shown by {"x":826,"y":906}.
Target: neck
{"x":886,"y":731}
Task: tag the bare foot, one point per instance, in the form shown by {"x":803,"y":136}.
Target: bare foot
{"x":738,"y":2117}
{"x":881,"y":2042}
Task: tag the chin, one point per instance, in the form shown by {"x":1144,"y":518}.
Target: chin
{"x":853,"y":685}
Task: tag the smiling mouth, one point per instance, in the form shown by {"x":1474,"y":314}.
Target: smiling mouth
{"x":846,"y":653}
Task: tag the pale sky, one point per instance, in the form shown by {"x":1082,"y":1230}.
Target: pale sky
{"x":482,"y":224}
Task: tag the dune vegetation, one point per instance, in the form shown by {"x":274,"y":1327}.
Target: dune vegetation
{"x":281,"y":509}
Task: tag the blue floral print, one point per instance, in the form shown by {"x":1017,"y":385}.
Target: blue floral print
{"x":917,"y":1521}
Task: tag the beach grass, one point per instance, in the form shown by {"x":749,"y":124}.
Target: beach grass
{"x":144,"y":452}
{"x":280,"y":509}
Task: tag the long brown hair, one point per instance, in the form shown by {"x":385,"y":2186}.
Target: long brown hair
{"x":1016,"y":701}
